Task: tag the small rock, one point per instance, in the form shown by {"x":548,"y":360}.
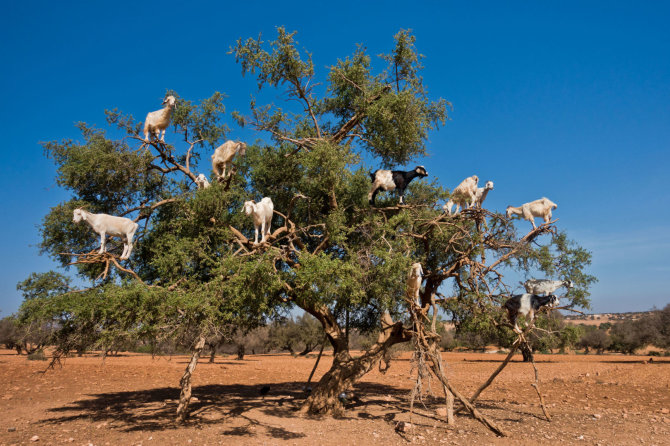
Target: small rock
{"x":11,"y":429}
{"x":587,"y":375}
{"x":194,"y":399}
{"x":581,"y":437}
{"x":625,"y":415}
{"x":403,"y":426}
{"x":34,"y":438}
{"x":664,"y":410}
{"x":441,"y":411}
{"x":70,"y":440}
{"x":597,"y":416}
{"x":666,"y":420}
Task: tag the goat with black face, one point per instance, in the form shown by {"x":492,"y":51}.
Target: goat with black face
{"x":527,"y":305}
{"x":389,"y":180}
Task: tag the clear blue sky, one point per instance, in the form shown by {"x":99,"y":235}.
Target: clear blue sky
{"x":553,"y":99}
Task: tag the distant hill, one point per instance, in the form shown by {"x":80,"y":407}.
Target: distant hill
{"x":601,"y":318}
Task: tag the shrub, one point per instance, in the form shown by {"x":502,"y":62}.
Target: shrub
{"x":37,"y":355}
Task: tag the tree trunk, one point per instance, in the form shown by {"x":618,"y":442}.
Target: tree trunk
{"x":527,"y":353}
{"x":212,"y":352}
{"x":308,"y":349}
{"x":345,"y":370}
{"x":240,"y":352}
{"x":185,"y":382}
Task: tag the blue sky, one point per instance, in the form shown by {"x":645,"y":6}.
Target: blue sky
{"x":551,"y":99}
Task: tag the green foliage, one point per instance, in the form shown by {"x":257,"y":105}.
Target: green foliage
{"x":43,"y":285}
{"x":569,"y":336}
{"x":565,"y":260}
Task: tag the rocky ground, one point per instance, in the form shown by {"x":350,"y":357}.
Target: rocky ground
{"x":131,"y":399}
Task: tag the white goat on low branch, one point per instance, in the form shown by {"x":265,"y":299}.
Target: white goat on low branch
{"x":159,"y":120}
{"x":222,"y":158}
{"x":414,"y":279}
{"x":538,"y":208}
{"x":463,"y":195}
{"x":104,"y":224}
{"x":262,"y":216}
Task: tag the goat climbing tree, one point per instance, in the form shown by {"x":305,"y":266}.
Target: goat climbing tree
{"x":194,"y":272}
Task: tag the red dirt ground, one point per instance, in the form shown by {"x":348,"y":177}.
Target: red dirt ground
{"x":131,"y":400}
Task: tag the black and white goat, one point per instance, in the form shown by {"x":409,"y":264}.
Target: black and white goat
{"x":389,"y":180}
{"x":527,"y":305}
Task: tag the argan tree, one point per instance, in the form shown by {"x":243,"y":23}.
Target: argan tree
{"x":194,"y":269}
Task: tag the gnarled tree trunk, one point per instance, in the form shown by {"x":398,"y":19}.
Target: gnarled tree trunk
{"x":346,"y":370}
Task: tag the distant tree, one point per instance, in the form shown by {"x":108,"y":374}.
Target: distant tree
{"x":596,"y":339}
{"x":10,"y":334}
{"x":663,"y":339}
{"x":630,"y":335}
{"x":304,"y":333}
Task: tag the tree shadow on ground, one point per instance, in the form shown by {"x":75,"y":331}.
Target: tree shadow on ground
{"x":155,"y":409}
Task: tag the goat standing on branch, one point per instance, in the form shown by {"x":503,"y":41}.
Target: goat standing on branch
{"x":159,"y":120}
{"x":389,"y":180}
{"x":538,"y":208}
{"x":481,"y":194}
{"x":414,"y":279}
{"x":545,"y":286}
{"x":527,"y":305}
{"x":262,"y":215}
{"x":222,"y":158}
{"x":104,"y":224}
{"x":465,"y":194}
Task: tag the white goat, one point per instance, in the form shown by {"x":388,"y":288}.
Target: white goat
{"x":481,"y":193}
{"x":222,"y":158}
{"x":414,"y":279}
{"x":202,"y":181}
{"x":545,"y":286}
{"x":464,"y":194}
{"x":157,"y":121}
{"x":262,"y":215}
{"x":538,"y":208}
{"x":104,"y":224}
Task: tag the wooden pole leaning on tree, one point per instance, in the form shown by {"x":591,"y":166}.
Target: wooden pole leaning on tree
{"x":426,"y":346}
{"x":493,"y":376}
